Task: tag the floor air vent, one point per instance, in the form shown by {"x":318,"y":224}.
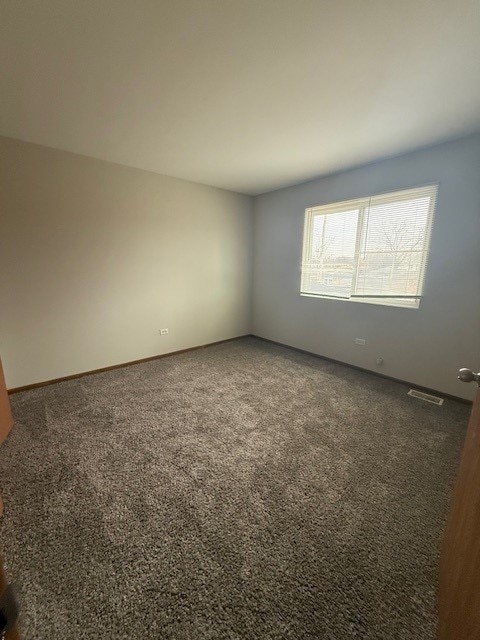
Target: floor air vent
{"x":425,"y":396}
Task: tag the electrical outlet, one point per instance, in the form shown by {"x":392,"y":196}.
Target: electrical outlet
{"x":361,"y":341}
{"x":163,"y":332}
{"x":379,"y":360}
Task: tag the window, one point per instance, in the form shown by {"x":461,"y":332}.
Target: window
{"x":371,"y":249}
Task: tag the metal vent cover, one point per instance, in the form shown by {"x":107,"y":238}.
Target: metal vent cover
{"x":426,"y":397}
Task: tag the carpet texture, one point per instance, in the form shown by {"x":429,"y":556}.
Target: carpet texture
{"x":241,"y":491}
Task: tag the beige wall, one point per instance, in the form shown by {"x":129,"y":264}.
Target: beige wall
{"x":424,"y":346}
{"x":96,"y":257}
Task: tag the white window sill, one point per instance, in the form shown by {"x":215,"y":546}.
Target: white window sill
{"x":384,"y":303}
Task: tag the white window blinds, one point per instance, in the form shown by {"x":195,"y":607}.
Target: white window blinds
{"x":371,"y":249}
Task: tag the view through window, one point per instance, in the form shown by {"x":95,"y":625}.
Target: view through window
{"x":371,"y":249}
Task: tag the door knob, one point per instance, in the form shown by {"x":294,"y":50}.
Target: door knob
{"x":467,"y":375}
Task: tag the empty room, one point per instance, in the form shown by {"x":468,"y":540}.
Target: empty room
{"x":240,"y":319}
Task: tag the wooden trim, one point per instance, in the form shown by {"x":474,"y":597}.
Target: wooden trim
{"x":373,"y":373}
{"x":458,"y":600}
{"x":6,"y":419}
{"x":247,"y":335}
{"x":35,"y":385}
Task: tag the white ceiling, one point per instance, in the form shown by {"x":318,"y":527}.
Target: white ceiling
{"x":248,"y":95}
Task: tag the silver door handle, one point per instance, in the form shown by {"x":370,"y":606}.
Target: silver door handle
{"x":467,"y":375}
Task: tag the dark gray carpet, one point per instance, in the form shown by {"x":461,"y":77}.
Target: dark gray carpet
{"x":240,"y":491}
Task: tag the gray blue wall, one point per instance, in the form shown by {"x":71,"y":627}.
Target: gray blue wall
{"x":424,"y":346}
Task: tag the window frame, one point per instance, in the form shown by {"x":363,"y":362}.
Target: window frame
{"x":362,"y":204}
